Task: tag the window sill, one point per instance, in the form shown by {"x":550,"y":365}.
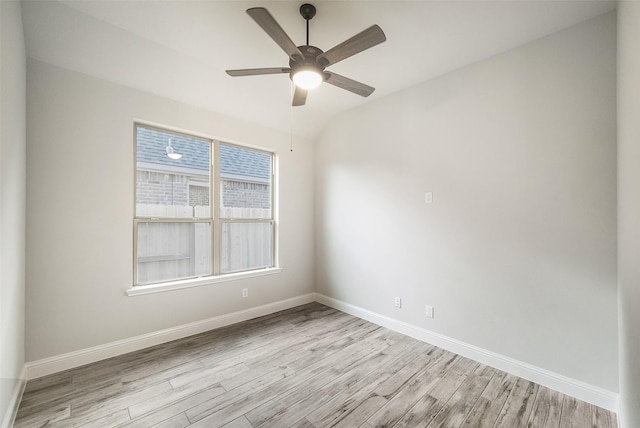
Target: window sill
{"x":197,"y":282}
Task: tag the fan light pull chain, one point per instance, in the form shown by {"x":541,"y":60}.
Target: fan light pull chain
{"x":293,"y":86}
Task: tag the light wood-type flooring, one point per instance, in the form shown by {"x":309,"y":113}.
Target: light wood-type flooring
{"x":310,"y":366}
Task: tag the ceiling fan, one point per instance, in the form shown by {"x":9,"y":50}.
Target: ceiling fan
{"x":307,"y":63}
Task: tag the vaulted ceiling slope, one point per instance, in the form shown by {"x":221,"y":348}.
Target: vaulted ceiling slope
{"x":180,"y":49}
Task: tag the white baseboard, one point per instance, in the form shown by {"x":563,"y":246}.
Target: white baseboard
{"x":58,"y":363}
{"x":566,"y":385}
{"x":575,"y":388}
{"x":14,"y":402}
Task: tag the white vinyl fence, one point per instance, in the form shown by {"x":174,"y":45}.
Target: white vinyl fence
{"x":172,"y":250}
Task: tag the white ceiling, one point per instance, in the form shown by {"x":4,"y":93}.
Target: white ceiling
{"x":180,"y":49}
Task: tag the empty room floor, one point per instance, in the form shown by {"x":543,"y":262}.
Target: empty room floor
{"x":310,"y":366}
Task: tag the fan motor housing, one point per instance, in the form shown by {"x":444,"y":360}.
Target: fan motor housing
{"x":311,"y":54}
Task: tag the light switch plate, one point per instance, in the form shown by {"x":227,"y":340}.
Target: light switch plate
{"x":428,"y":311}
{"x":428,"y":197}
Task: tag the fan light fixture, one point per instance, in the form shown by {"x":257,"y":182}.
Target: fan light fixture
{"x":171,"y":153}
{"x":307,"y":78}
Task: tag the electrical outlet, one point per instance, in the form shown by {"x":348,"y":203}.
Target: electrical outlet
{"x":245,"y":292}
{"x":428,"y":311}
{"x":398,"y":302}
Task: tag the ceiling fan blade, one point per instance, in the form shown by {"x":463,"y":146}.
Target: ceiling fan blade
{"x":356,"y":44}
{"x":299,"y":97}
{"x":257,"y":71}
{"x":264,"y":19}
{"x":349,"y":84}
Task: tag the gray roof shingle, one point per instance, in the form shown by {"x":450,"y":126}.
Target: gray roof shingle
{"x":152,"y":143}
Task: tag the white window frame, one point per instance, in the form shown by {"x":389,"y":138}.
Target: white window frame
{"x":214,"y":220}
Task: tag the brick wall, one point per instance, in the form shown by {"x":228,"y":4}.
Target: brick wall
{"x":161,"y":188}
{"x":173,"y":189}
{"x":198,"y":195}
{"x":243,"y":194}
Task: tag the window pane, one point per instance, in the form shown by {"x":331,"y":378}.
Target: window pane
{"x":246,"y":246}
{"x":245,"y":183}
{"x":171,"y":186}
{"x":173,"y":250}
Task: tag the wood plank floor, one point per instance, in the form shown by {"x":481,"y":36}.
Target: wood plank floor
{"x":306,"y":367}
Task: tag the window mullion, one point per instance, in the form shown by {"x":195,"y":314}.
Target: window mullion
{"x":216,"y":240}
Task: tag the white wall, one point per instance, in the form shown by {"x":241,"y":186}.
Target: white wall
{"x":12,"y":203}
{"x":629,"y":211}
{"x":80,"y":207}
{"x":517,"y":253}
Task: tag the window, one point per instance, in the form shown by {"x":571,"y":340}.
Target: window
{"x":203,"y":207}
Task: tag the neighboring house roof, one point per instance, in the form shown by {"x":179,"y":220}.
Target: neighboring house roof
{"x":242,"y":162}
{"x":235,"y":161}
